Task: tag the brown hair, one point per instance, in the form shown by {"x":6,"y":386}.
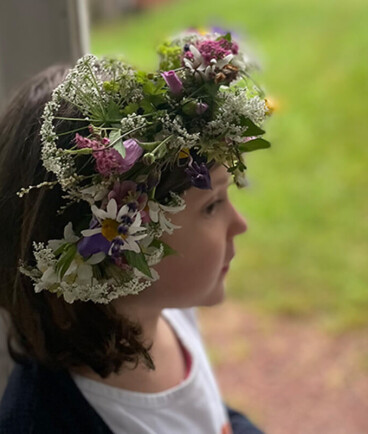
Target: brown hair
{"x":45,"y":327}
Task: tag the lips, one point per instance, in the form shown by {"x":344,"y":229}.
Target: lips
{"x":227,"y":262}
{"x":225,"y":269}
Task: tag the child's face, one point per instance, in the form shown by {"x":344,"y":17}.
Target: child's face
{"x":205,"y":247}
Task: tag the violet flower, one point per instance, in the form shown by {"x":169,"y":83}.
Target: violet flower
{"x":173,"y":81}
{"x":199,"y":175}
{"x":133,"y":152}
{"x":88,"y":246}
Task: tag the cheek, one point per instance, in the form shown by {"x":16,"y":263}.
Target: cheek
{"x":198,"y":259}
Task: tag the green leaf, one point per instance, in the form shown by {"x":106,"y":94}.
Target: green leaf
{"x":231,"y":169}
{"x":227,"y":37}
{"x":154,"y":87}
{"x":66,"y":259}
{"x":110,"y":86}
{"x":253,"y":145}
{"x":138,"y":261}
{"x":147,"y":106}
{"x":131,"y":108}
{"x":117,"y":142}
{"x":119,"y":146}
{"x":112,"y":111}
{"x":211,"y":89}
{"x":141,"y":76}
{"x":252,"y":129}
{"x":60,"y":249}
{"x":167,"y":249}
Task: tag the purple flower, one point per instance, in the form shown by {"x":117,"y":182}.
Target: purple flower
{"x":133,"y":152}
{"x":88,"y":246}
{"x":128,"y":192}
{"x":199,"y":175}
{"x":173,"y":81}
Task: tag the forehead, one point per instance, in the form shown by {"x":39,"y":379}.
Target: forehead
{"x":219,"y":176}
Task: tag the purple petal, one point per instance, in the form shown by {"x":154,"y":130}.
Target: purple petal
{"x":90,"y":245}
{"x":133,"y":152}
{"x":199,"y":175}
{"x":173,"y":81}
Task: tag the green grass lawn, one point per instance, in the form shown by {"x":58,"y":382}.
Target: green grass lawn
{"x":306,"y":250}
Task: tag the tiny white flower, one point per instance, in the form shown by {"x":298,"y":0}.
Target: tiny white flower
{"x":69,"y":237}
{"x":240,"y":178}
{"x":157,"y":215}
{"x":94,"y":193}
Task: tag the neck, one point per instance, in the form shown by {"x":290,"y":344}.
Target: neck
{"x":148,"y":317}
{"x":165,"y":352}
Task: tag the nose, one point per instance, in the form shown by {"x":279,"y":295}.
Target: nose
{"x":238,"y":223}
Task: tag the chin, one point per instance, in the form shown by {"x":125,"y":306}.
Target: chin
{"x":217,"y":296}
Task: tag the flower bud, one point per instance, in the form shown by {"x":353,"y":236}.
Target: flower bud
{"x":173,"y":81}
{"x":148,"y":159}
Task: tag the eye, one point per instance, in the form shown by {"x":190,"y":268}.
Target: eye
{"x":211,"y":208}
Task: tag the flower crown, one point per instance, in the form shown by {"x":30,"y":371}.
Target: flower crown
{"x":200,"y":107}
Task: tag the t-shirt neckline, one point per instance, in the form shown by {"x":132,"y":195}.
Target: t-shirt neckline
{"x":141,"y":399}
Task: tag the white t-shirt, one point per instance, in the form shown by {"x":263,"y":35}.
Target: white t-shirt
{"x":192,"y":407}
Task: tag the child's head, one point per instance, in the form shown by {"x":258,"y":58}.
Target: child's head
{"x":45,"y":327}
{"x":122,"y":152}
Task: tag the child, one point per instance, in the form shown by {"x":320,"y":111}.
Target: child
{"x":122,"y":224}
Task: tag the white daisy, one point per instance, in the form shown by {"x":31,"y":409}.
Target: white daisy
{"x":121,"y":227}
{"x":198,"y":64}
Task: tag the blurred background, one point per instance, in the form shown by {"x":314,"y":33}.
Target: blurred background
{"x":290,"y":344}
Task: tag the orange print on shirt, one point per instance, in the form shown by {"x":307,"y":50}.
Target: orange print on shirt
{"x":226,"y":429}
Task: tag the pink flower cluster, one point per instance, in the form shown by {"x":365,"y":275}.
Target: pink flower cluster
{"x":214,"y":49}
{"x":108,"y":160}
{"x":85,"y":142}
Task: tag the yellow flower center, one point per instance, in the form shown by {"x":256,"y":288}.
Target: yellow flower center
{"x":110,"y":229}
{"x":184,"y":153}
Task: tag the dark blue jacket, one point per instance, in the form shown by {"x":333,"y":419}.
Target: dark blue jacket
{"x":39,"y":401}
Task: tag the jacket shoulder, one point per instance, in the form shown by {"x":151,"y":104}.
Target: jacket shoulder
{"x":40,"y":401}
{"x":19,"y":401}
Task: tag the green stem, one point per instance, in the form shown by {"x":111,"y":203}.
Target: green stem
{"x":71,"y":131}
{"x":261,"y":92}
{"x":197,"y":90}
{"x":96,"y":85}
{"x":158,"y":150}
{"x":124,"y":135}
{"x":82,"y":151}
{"x":76,"y":119}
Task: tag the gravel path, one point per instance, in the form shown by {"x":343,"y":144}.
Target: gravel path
{"x":288,"y":376}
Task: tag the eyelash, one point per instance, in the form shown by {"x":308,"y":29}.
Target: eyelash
{"x":211,"y":208}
